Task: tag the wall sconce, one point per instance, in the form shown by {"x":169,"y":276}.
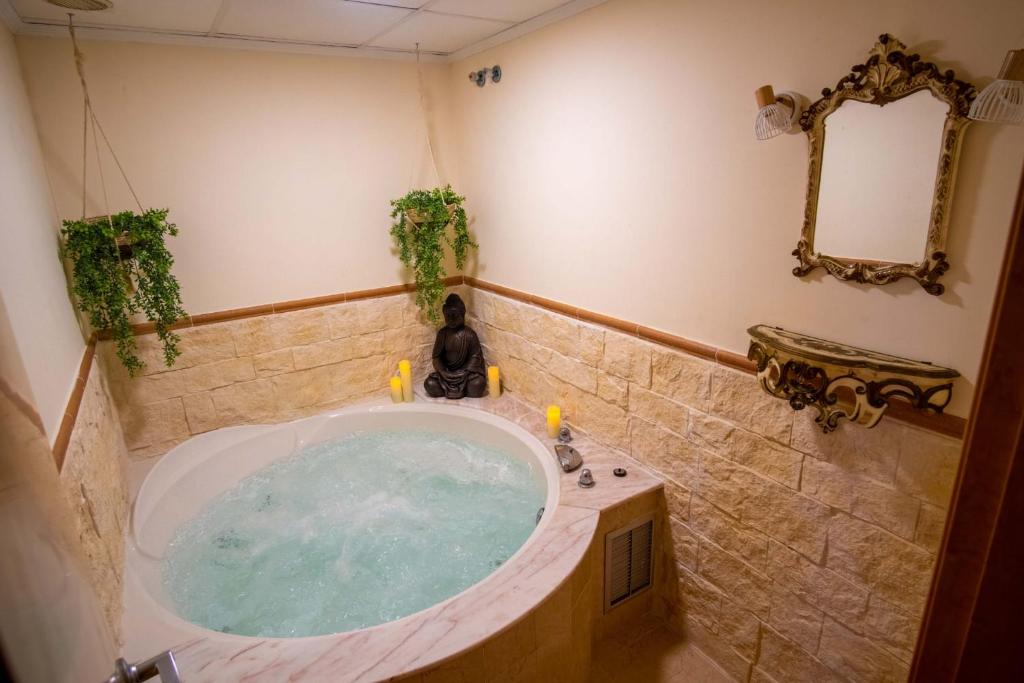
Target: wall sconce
{"x":480,"y":77}
{"x":1002,"y":100}
{"x":776,"y":114}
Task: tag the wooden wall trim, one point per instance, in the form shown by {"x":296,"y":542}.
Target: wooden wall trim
{"x":965,"y":636}
{"x":67,"y":423}
{"x":284,"y":306}
{"x":949,"y":425}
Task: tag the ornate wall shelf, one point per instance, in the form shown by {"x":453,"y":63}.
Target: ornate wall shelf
{"x":843,"y":382}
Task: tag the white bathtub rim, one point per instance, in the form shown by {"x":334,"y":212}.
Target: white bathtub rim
{"x":182,"y":458}
{"x":223,"y":438}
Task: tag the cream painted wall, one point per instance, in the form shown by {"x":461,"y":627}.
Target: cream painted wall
{"x":278,"y":168}
{"x":32,"y":283}
{"x":615,"y":167}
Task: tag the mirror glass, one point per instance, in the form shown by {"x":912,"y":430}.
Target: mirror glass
{"x":878,"y":175}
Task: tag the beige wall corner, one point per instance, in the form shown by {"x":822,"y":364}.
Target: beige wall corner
{"x":94,"y":483}
{"x":277,"y":168}
{"x":32,"y":281}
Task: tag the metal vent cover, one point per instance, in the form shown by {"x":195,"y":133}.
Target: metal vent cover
{"x":628,"y":561}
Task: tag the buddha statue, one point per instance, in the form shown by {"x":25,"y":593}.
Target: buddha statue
{"x":458,"y":359}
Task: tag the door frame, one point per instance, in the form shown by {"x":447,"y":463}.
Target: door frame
{"x":971,"y":625}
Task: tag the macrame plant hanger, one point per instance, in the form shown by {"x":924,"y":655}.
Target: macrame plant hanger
{"x":421,"y":91}
{"x":90,"y":121}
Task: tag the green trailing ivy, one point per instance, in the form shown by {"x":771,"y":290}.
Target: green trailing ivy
{"x":103,"y":275}
{"x":421,"y":243}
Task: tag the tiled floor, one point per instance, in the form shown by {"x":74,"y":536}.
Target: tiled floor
{"x":648,"y":652}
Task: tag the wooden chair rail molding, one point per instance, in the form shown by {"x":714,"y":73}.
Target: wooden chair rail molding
{"x":949,"y":425}
{"x":67,"y":423}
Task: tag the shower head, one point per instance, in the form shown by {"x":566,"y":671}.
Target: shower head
{"x":83,"y":5}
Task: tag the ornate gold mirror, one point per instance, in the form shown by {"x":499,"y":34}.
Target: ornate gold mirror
{"x":879,"y":191}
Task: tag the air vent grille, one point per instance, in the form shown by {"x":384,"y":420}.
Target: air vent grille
{"x":628,"y":562}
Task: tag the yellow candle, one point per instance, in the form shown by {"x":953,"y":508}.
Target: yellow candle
{"x":554,"y":421}
{"x":396,"y":390}
{"x":405,"y":372}
{"x":493,"y":381}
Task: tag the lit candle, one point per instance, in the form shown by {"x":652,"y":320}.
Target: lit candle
{"x":405,"y":372}
{"x":554,"y":421}
{"x":493,"y":381}
{"x":396,"y":390}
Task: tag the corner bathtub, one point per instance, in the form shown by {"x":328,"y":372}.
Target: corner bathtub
{"x":192,"y":474}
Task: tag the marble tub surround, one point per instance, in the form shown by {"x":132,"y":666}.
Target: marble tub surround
{"x":94,"y":483}
{"x":793,"y":554}
{"x":271,"y":367}
{"x":541,"y":608}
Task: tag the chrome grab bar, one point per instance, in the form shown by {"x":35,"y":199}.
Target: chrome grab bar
{"x":162,"y":665}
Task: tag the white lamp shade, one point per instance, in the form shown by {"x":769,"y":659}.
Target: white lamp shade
{"x":777,"y":115}
{"x":772,"y":119}
{"x":1002,"y":101}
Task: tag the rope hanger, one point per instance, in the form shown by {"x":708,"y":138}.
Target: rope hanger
{"x":90,"y":120}
{"x":426,"y":118}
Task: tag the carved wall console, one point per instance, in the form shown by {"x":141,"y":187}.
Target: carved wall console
{"x":843,"y":382}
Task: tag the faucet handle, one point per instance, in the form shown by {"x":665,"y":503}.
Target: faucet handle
{"x":568,"y":457}
{"x":586,"y":479}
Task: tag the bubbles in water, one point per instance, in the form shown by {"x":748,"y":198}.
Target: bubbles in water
{"x":350,"y":533}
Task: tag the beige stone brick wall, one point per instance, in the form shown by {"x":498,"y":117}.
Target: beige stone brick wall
{"x":93,"y":481}
{"x":792,"y":555}
{"x":268,"y":368}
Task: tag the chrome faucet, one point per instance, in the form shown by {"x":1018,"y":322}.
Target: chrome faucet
{"x":162,"y":665}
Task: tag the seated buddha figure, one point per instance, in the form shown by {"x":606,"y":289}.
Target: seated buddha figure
{"x":458,"y":358}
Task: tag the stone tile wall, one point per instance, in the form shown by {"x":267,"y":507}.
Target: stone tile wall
{"x":792,"y":555}
{"x":269,"y":368}
{"x":93,"y":481}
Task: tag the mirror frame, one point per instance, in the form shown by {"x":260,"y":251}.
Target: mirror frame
{"x":888,"y":75}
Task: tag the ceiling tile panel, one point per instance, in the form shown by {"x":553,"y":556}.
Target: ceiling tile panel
{"x":516,"y":10}
{"x":194,"y":16}
{"x":313,"y":21}
{"x":439,"y":32}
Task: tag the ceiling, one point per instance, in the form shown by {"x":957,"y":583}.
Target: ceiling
{"x":445,"y":29}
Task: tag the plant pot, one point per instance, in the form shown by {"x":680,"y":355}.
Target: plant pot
{"x":416,"y":218}
{"x":125,"y":247}
{"x":124,"y":243}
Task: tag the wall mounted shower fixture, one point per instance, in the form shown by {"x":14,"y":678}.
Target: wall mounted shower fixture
{"x":480,"y":76}
{"x":776,"y":114}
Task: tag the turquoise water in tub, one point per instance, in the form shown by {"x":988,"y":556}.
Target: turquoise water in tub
{"x":350,"y":533}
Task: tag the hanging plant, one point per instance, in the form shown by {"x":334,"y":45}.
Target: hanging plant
{"x":121,"y":267}
{"x":420,"y":232}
